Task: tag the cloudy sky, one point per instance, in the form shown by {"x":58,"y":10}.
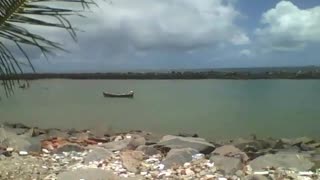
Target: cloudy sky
{"x":175,"y":34}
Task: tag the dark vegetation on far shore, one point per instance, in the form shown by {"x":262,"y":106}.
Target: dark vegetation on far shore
{"x":276,"y":74}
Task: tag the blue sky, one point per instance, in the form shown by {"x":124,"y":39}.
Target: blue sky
{"x":174,"y":34}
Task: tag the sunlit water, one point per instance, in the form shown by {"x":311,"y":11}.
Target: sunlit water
{"x":211,"y":108}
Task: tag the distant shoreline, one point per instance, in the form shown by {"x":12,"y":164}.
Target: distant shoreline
{"x":170,"y":75}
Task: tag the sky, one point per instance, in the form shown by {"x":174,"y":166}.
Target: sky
{"x":129,"y":35}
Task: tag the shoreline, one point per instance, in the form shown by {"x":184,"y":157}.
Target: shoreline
{"x":174,"y":75}
{"x":69,"y":154}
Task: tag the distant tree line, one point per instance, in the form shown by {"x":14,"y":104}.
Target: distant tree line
{"x":170,"y":75}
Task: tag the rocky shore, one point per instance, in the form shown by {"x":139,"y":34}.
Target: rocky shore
{"x":33,"y":153}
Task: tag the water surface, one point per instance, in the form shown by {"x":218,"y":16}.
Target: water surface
{"x":211,"y":108}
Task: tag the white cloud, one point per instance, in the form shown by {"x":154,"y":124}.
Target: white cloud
{"x":169,"y":24}
{"x":128,"y":30}
{"x":246,"y":52}
{"x":179,"y":24}
{"x":289,"y":28}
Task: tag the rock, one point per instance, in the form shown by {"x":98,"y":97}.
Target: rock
{"x":87,"y":174}
{"x":23,"y":153}
{"x":303,"y":140}
{"x":148,"y":150}
{"x":256,"y":144}
{"x":239,"y":173}
{"x":229,"y":165}
{"x":97,"y":154}
{"x":131,"y":160}
{"x":177,"y":142}
{"x":231,"y":151}
{"x":151,"y":138}
{"x":69,"y":147}
{"x":10,"y":139}
{"x":285,"y":160}
{"x":188,"y":135}
{"x":179,"y":157}
{"x":16,"y":125}
{"x":279,"y":145}
{"x":80,"y":135}
{"x":52,"y":133}
{"x":9,"y":149}
{"x":255,"y":177}
{"x":316,"y":160}
{"x":33,"y":132}
{"x":117,"y":145}
{"x":35,"y":143}
{"x":136,"y":142}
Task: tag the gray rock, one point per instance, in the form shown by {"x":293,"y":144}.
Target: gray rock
{"x":33,"y":132}
{"x":87,"y":174}
{"x":57,"y":133}
{"x":316,"y":160}
{"x":176,"y":157}
{"x":117,"y":145}
{"x":303,"y":140}
{"x":255,"y":177}
{"x":17,"y":131}
{"x":231,"y":151}
{"x":15,"y":125}
{"x":148,"y":150}
{"x":228,"y":165}
{"x":35,"y":145}
{"x":69,"y":147}
{"x":131,"y":160}
{"x":10,"y":139}
{"x":97,"y":154}
{"x":285,"y":160}
{"x":177,"y":142}
{"x":136,"y":142}
{"x":256,"y":144}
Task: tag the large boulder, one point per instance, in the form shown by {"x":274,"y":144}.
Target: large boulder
{"x":177,"y":157}
{"x":148,"y":150}
{"x":131,"y":160}
{"x":136,"y":141}
{"x":231,"y":151}
{"x":229,"y":165}
{"x":285,"y":160}
{"x":117,"y":145}
{"x":244,"y":144}
{"x":11,"y":139}
{"x":97,"y":154}
{"x":57,"y":133}
{"x":177,"y":142}
{"x":90,"y":174}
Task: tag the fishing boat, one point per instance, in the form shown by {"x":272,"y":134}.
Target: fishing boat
{"x":125,"y":95}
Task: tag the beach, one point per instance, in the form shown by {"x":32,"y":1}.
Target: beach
{"x":67,"y":154}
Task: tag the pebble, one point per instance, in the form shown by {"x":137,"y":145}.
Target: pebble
{"x":189,"y":172}
{"x":222,"y":178}
{"x":23,"y":153}
{"x":261,"y":173}
{"x":45,"y":151}
{"x":9,"y":149}
{"x":307,"y":173}
{"x":118,"y":138}
{"x":187,"y":165}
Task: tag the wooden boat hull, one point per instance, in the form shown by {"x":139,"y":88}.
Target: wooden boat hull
{"x":128,"y":95}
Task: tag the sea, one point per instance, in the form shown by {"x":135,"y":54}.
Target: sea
{"x":213,"y":109}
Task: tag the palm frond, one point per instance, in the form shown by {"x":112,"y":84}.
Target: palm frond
{"x":14,"y":16}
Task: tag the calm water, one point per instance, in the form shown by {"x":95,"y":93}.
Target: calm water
{"x":211,"y":108}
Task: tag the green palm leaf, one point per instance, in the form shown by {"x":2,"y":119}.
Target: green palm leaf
{"x":14,"y":16}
